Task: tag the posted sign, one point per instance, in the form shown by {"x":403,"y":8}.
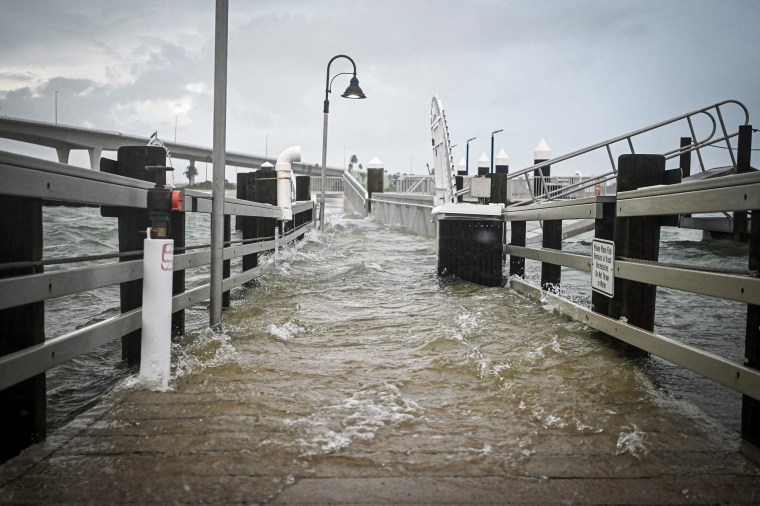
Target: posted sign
{"x":603,"y":267}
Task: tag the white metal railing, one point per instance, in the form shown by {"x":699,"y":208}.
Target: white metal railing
{"x":415,"y":184}
{"x":714,"y":113}
{"x":333,"y":185}
{"x":354,"y":195}
{"x":409,"y":211}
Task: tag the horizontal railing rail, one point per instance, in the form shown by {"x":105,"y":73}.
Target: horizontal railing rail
{"x":731,"y":193}
{"x":718,"y":134}
{"x":30,"y":178}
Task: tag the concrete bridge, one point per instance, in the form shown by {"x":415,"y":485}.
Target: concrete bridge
{"x":64,"y":138}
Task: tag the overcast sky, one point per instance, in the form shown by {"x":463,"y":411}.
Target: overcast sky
{"x":572,"y":72}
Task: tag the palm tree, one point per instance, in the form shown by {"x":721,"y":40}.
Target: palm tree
{"x":351,"y":162}
{"x":190,"y":173}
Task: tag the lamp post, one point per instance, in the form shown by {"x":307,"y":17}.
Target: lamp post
{"x":353,"y":91}
{"x":492,"y":134}
{"x":467,"y":157}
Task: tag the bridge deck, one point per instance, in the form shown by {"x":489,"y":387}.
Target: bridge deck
{"x":207,"y":442}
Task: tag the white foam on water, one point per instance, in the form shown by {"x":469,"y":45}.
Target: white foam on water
{"x":284,"y":332}
{"x":200,"y":351}
{"x":631,"y":440}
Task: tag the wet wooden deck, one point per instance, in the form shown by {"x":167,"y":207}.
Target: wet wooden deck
{"x":205,"y":443}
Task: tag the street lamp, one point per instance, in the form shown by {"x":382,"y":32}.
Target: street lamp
{"x":492,"y":134}
{"x":467,"y":159}
{"x":353,"y":91}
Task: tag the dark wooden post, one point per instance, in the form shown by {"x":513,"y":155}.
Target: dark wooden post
{"x":751,"y":406}
{"x":178,"y":277}
{"x":639,"y":238}
{"x":23,"y":406}
{"x":685,"y":158}
{"x":604,"y":228}
{"x":131,"y":162}
{"x":248,"y":223}
{"x":303,"y":194}
{"x":375,"y":183}
{"x":240,"y":194}
{"x":265,"y":191}
{"x":226,"y":271}
{"x":459,"y":180}
{"x":552,"y":238}
{"x":499,"y":180}
{"x":743,"y":155}
{"x":517,"y":263}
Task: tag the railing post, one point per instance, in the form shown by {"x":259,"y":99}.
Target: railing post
{"x":552,"y":239}
{"x":638,"y":238}
{"x":22,"y":406}
{"x":131,"y":162}
{"x":265,"y":189}
{"x":375,"y":182}
{"x":743,"y":155}
{"x":517,"y":264}
{"x":248,"y":223}
{"x":751,"y":406}
{"x":303,"y":194}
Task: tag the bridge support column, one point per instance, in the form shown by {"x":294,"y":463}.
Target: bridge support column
{"x":22,"y":406}
{"x":95,"y":154}
{"x":638,"y":238}
{"x":63,"y":154}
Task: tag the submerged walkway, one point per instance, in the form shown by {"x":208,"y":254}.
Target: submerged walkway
{"x":351,"y":375}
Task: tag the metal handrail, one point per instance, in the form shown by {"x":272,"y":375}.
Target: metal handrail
{"x":694,"y":146}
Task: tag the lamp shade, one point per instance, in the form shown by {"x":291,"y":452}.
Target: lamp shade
{"x":353,"y":90}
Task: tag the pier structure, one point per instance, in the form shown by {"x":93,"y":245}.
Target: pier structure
{"x":201,"y":443}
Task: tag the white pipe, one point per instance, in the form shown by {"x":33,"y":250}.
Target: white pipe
{"x":155,"y":354}
{"x":284,"y":180}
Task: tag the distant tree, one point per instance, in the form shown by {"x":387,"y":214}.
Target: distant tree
{"x":352,"y":161}
{"x":360,"y":167}
{"x":190,"y":173}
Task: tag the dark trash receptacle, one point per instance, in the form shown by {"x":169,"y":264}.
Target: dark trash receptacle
{"x":470,"y":248}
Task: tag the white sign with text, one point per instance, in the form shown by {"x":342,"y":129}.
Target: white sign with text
{"x":603,"y":267}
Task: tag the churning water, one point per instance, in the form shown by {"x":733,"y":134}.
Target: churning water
{"x":357,"y":327}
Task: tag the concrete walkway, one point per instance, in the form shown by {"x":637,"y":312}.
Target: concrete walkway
{"x":208,"y":442}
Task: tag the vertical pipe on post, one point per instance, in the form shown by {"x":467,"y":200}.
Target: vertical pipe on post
{"x":22,"y":406}
{"x":155,"y":350}
{"x":220,"y":136}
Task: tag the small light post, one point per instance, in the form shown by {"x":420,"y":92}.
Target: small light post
{"x":467,"y":157}
{"x":353,"y":91}
{"x":492,"y":134}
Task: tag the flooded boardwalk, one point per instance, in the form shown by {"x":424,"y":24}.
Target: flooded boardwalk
{"x":351,"y":374}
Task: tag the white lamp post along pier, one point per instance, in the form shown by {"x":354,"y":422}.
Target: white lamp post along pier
{"x":353,"y":91}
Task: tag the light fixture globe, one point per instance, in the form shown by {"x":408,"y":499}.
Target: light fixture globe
{"x":353,"y":90}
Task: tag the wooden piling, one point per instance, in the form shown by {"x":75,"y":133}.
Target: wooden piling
{"x":265,"y":191}
{"x":685,"y":158}
{"x":131,"y":162}
{"x":637,"y":238}
{"x":750,"y":406}
{"x":23,"y":406}
{"x":552,"y":238}
{"x":516,"y":263}
{"x":240,"y":194}
{"x":248,"y":223}
{"x":375,"y":183}
{"x":743,"y":156}
{"x":303,"y":194}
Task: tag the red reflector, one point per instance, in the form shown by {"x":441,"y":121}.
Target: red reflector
{"x":176,"y":201}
